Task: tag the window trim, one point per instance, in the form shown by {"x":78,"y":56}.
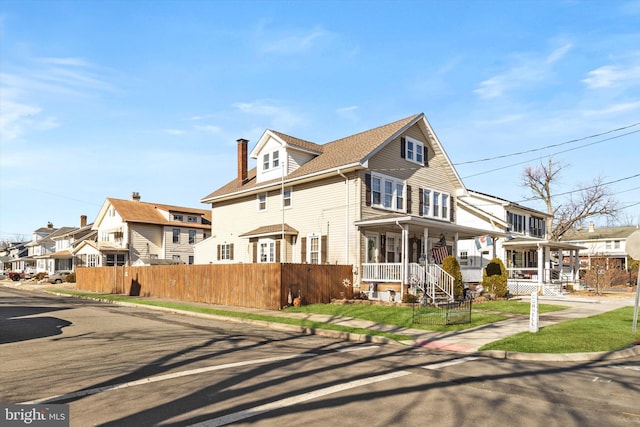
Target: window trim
{"x":380,"y":196}
{"x":270,"y":251}
{"x":176,"y":238}
{"x":259,"y":207}
{"x":412,"y":148}
{"x":310,"y":239}
{"x":437,"y":209}
{"x":285,"y":198}
{"x":192,"y":237}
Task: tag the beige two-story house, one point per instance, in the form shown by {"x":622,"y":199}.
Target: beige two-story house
{"x":132,"y":232}
{"x":383,"y":200}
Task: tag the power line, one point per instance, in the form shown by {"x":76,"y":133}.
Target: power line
{"x":547,"y":146}
{"x":581,"y":189}
{"x":558,"y":152}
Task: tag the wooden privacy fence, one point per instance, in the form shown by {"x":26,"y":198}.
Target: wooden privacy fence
{"x":269,"y":286}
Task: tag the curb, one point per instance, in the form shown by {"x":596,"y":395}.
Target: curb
{"x":624,"y":353}
{"x":348,"y":336}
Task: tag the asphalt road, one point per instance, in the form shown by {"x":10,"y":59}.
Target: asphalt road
{"x":124,"y":366}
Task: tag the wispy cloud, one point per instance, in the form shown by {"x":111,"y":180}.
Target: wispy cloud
{"x":609,"y":76}
{"x":348,"y":113}
{"x":25,"y":87}
{"x":280,"y":117}
{"x":208,"y":128}
{"x":17,"y":118}
{"x":527,"y":68}
{"x":614,"y":109}
{"x":295,"y":43}
{"x":174,"y":132}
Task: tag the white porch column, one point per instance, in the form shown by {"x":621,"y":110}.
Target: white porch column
{"x":425,"y":245}
{"x":571,"y":265}
{"x":455,"y":245}
{"x":405,"y":259}
{"x":547,"y":265}
{"x":540,"y":264}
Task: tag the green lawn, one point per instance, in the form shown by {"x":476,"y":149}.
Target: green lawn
{"x":391,"y":315}
{"x":604,"y":332}
{"x":516,"y":307}
{"x":237,"y":314}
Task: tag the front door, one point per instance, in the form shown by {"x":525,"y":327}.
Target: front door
{"x":373,"y":248}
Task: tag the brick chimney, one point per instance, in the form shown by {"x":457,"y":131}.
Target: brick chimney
{"x":135,"y":196}
{"x":592,"y":227}
{"x":83,"y":220}
{"x":243,"y":160}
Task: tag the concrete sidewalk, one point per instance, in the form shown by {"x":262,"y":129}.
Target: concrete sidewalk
{"x":466,"y":341}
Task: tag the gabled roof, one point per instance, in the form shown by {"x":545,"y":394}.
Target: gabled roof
{"x":149,"y":213}
{"x":599,"y":233}
{"x":49,"y":239}
{"x":506,"y":202}
{"x":270,"y":230}
{"x":352,"y":151}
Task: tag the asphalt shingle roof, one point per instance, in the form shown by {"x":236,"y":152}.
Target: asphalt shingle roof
{"x":341,"y":152}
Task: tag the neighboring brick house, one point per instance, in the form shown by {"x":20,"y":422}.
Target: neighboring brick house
{"x":132,"y":232}
{"x":383,"y":201}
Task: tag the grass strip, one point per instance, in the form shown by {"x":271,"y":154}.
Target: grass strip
{"x":391,"y":315}
{"x":516,"y":307}
{"x":236,"y":314}
{"x":603,"y":332}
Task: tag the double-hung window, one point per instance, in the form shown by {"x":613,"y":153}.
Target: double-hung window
{"x":286,"y":198}
{"x":314,"y":249}
{"x":275,"y":159}
{"x":176,"y":235}
{"x":388,"y":193}
{"x":262,"y":201}
{"x":192,"y":237}
{"x":413,"y":150}
{"x":265,"y":161}
{"x":435,"y":204}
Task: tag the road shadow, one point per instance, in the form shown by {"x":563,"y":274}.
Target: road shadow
{"x":15,"y":326}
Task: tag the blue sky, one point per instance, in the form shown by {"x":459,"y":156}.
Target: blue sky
{"x":102,"y":98}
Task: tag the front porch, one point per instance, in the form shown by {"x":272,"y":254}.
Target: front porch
{"x":402,"y":254}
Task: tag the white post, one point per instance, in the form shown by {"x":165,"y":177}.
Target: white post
{"x":533,"y":313}
{"x":540,"y":264}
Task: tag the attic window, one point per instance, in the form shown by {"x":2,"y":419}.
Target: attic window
{"x":413,"y":150}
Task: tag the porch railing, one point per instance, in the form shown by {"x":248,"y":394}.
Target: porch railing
{"x":431,"y":278}
{"x":391,"y":272}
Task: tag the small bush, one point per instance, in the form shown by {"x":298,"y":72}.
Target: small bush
{"x":451,"y":265}
{"x":360,"y":295}
{"x":71,"y":278}
{"x":39,"y":276}
{"x":494,"y":278}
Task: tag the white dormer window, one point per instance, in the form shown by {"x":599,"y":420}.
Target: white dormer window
{"x":271,"y":161}
{"x":414,"y":150}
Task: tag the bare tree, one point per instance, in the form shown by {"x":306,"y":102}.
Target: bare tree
{"x":581,"y":204}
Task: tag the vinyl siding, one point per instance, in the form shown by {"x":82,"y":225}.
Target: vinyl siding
{"x":146,"y":240}
{"x":318,"y":207}
{"x":437,"y":176}
{"x":182,"y":248}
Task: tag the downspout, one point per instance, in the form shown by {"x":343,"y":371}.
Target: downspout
{"x":346,"y":225}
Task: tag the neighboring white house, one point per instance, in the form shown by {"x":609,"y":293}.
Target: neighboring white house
{"x":530,"y":259}
{"x":607,"y":245}
{"x":62,"y":258}
{"x":132,"y":232}
{"x":384,"y":201}
{"x":26,"y":262}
